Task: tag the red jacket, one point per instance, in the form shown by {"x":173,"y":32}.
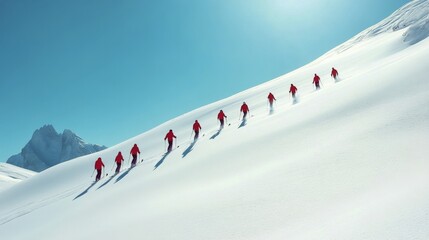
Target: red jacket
{"x":99,"y":164}
{"x":170,"y":136}
{"x":316,"y":79}
{"x":334,"y":73}
{"x":135,"y":150}
{"x":196,"y":126}
{"x":221,"y":115}
{"x":119,"y":158}
{"x":293,"y":89}
{"x":271,"y":97}
{"x":244,"y":108}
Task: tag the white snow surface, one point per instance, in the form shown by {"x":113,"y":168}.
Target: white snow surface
{"x":413,"y":16}
{"x":10,"y":174}
{"x":346,"y":162}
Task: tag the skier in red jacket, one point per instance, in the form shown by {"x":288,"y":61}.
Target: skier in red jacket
{"x":271,"y":99}
{"x":119,"y":159}
{"x":99,"y":165}
{"x":245,"y":109}
{"x":220,"y":117}
{"x":134,"y":151}
{"x":316,"y":81}
{"x":170,"y":136}
{"x":334,"y":73}
{"x":293,"y":90}
{"x":196,"y":127}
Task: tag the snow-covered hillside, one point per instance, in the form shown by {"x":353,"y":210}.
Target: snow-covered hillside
{"x":47,"y":148}
{"x":414,"y":17}
{"x":9,"y":175}
{"x":346,"y":162}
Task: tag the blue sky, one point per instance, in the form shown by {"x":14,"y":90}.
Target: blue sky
{"x":110,"y":70}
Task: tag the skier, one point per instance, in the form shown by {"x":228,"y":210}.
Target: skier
{"x":134,"y":151}
{"x":316,"y":81}
{"x":245,"y":109}
{"x":119,"y":159}
{"x":293,"y":90}
{"x":196,"y":127}
{"x":271,"y":98}
{"x":170,"y":135}
{"x":99,"y":165}
{"x":220,"y":117}
{"x":334,"y":73}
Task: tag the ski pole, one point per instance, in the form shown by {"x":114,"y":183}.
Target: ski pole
{"x":129,"y":156}
{"x":93,"y":173}
{"x":239,"y":119}
{"x":165,"y":145}
{"x":191,"y":134}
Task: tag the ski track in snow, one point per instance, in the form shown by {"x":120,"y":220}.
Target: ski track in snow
{"x":32,"y":206}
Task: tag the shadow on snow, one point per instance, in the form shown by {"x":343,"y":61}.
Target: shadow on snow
{"x":85,"y":191}
{"x":189,"y":149}
{"x":216,"y":134}
{"x":123,"y":175}
{"x":243,"y":123}
{"x":105,"y":183}
{"x":161,"y":160}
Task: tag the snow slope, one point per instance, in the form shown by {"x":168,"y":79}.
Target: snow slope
{"x":346,"y":162}
{"x":414,"y":17}
{"x":9,"y":175}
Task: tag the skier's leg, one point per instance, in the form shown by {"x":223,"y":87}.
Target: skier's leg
{"x":133,"y":163}
{"x":98,"y":175}
{"x":118,"y":167}
{"x":170,"y":145}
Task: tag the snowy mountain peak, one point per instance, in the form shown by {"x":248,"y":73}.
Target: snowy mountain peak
{"x":46,"y":130}
{"x":47,"y":148}
{"x":68,"y":134}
